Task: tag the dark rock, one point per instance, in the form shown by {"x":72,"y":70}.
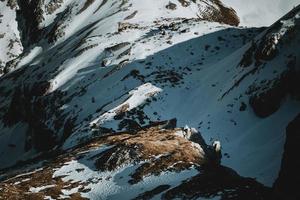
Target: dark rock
{"x":219,"y":182}
{"x":268,"y":101}
{"x":287,"y":185}
{"x":167,"y":124}
{"x":150,"y":194}
{"x":130,"y":125}
{"x":247,"y":59}
{"x":117,"y":156}
{"x":243,"y":106}
{"x":171,"y":6}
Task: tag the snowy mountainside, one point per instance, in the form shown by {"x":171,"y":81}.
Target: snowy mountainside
{"x":91,"y":80}
{"x":69,"y":62}
{"x":11,"y":46}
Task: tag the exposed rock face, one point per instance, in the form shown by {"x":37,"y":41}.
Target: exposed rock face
{"x":287,"y":184}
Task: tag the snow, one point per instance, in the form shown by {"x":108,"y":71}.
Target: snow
{"x":48,"y":198}
{"x":38,"y":189}
{"x":255,"y":145}
{"x":10,"y":43}
{"x":137,"y":97}
{"x":30,"y":56}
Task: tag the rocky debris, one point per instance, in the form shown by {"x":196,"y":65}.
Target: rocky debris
{"x":123,"y":26}
{"x":288,"y":181}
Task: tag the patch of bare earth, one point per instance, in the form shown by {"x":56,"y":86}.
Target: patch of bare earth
{"x":161,"y":149}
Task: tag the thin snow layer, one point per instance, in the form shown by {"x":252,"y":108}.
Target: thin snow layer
{"x":256,"y":13}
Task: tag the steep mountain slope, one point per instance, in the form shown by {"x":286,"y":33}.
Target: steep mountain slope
{"x":82,"y":102}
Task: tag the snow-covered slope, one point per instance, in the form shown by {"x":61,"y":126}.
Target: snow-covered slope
{"x":92,"y":68}
{"x":10,"y":43}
